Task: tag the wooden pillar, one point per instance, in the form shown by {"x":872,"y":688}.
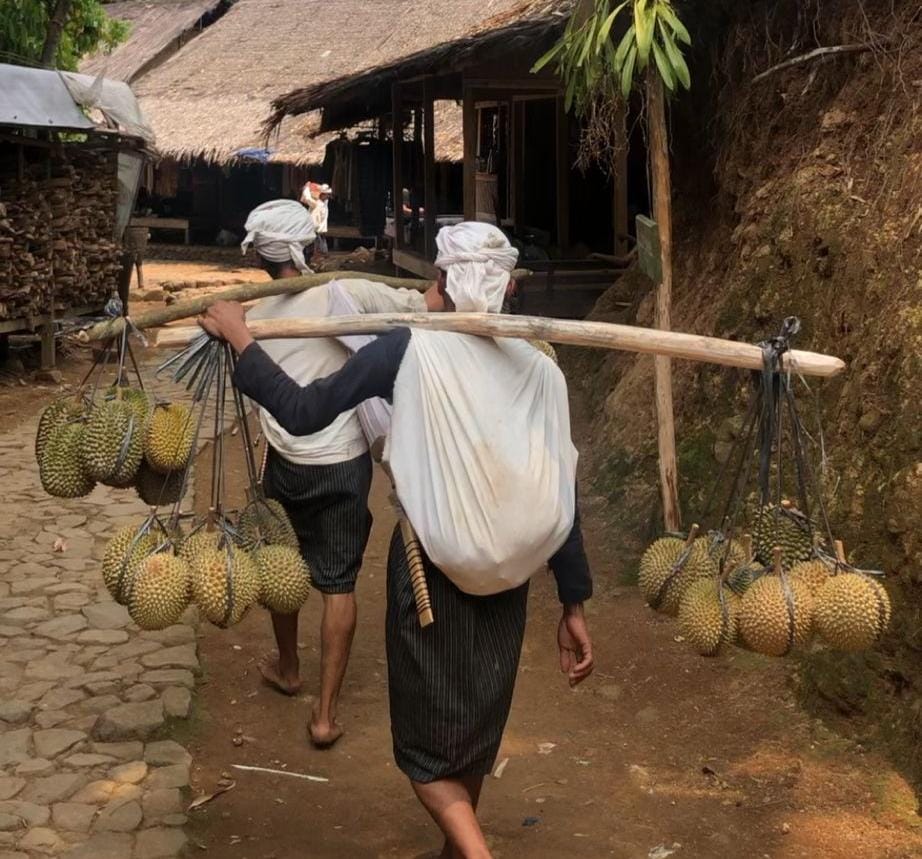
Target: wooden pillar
{"x":429,"y":169}
{"x":517,"y":155}
{"x":563,"y":176}
{"x":470,"y":155}
{"x":397,"y":112}
{"x":662,"y":209}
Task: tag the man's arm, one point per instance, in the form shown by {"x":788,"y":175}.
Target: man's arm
{"x":574,"y":586}
{"x":305,"y":410}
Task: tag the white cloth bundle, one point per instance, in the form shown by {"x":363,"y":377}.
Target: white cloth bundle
{"x":280,"y":230}
{"x":375,"y":414}
{"x":478,"y":260}
{"x":482,"y":458}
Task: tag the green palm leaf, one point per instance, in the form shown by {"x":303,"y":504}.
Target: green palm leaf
{"x":627,"y":72}
{"x":676,"y":60}
{"x":666,"y":12}
{"x":662,"y":63}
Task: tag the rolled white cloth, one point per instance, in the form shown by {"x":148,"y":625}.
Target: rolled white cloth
{"x":280,"y":230}
{"x":478,"y":260}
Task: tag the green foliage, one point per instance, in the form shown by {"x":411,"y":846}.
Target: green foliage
{"x":592,"y":65}
{"x":24,"y":25}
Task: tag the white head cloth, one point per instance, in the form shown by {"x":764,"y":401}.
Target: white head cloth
{"x":280,"y":230}
{"x":478,"y":260}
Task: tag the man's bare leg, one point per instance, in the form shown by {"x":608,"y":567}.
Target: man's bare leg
{"x":337,"y":629}
{"x":283,"y":673}
{"x":452,"y":804}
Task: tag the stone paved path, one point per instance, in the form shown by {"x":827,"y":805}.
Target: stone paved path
{"x":85,"y":696}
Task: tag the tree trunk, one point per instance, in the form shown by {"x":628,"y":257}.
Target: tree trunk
{"x":55,"y":29}
{"x":662,"y":211}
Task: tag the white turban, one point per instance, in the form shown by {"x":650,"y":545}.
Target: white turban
{"x":280,"y":230}
{"x":477,"y":259}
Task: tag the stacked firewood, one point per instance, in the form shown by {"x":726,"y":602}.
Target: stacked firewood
{"x":57,"y":233}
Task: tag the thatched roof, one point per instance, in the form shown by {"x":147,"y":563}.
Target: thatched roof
{"x":158,"y":28}
{"x":212,"y":98}
{"x":526,"y":25}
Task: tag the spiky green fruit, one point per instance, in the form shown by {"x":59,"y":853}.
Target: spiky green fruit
{"x":169,"y":438}
{"x":61,"y":463}
{"x":264,"y":521}
{"x":284,"y":579}
{"x":123,"y":557}
{"x":852,"y":611}
{"x":59,"y":412}
{"x":661,"y":582}
{"x":157,"y":489}
{"x":225,"y":585}
{"x":708,"y":616}
{"x":776,"y":615}
{"x":786,"y":528}
{"x":160,"y":591}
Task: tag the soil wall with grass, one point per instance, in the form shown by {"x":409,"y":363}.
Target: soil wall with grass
{"x":797,"y":194}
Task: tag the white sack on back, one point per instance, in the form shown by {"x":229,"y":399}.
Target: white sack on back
{"x":482,"y":458}
{"x":375,"y":414}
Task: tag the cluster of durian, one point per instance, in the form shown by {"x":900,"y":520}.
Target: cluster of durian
{"x":120,"y":440}
{"x":224,"y":570}
{"x":768,"y":609}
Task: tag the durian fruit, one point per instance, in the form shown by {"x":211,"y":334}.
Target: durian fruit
{"x":169,"y":438}
{"x":124,"y":555}
{"x":136,"y":399}
{"x":741,"y":575}
{"x":786,"y":527}
{"x":852,"y":609}
{"x":852,"y":612}
{"x":265,"y":519}
{"x":661,"y":584}
{"x":225,"y":585}
{"x":58,"y":413}
{"x":159,"y":591}
{"x":546,"y":348}
{"x":199,"y":543}
{"x":814,"y":574}
{"x":708,"y":615}
{"x":158,"y":489}
{"x":284,"y":579}
{"x":112,"y":444}
{"x":61,"y":464}
{"x":776,"y":614}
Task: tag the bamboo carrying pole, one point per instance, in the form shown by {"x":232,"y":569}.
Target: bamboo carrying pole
{"x":250,"y":292}
{"x":245,"y":292}
{"x":605,"y":335}
{"x":662,"y":208}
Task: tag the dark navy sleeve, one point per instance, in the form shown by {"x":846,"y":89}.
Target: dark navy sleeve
{"x":304,"y":410}
{"x":570,"y":567}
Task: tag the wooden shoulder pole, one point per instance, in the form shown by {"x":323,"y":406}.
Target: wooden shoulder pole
{"x":604,"y":335}
{"x":662,"y":208}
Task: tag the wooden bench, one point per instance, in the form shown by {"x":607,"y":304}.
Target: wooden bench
{"x":163,"y":224}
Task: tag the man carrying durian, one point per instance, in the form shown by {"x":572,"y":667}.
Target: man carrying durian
{"x":321,"y":479}
{"x":485,"y":470}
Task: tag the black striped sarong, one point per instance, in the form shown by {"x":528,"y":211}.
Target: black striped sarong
{"x":450,"y":684}
{"x":328,"y":507}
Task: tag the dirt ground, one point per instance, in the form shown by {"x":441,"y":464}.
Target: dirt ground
{"x":659,"y":751}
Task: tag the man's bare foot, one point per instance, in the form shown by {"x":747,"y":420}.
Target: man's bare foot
{"x":271,"y":673}
{"x":323,"y":734}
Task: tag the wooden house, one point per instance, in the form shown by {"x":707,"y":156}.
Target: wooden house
{"x":519,"y":144}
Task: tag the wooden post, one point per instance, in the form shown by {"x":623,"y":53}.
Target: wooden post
{"x":428,"y":170}
{"x":662,"y":210}
{"x":470,"y":155}
{"x":397,"y":111}
{"x":563,"y":176}
{"x":519,"y":156}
